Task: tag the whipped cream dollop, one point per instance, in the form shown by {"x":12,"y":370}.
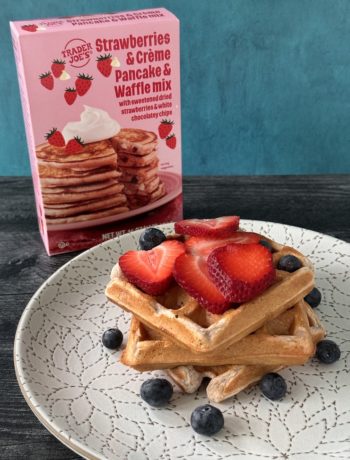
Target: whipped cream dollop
{"x":94,"y":125}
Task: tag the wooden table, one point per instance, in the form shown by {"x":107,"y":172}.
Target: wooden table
{"x":320,"y":203}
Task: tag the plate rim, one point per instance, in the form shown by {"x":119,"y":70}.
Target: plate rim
{"x":76,"y":446}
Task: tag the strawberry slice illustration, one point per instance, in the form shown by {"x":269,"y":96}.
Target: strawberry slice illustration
{"x":55,"y":137}
{"x":57,"y":67}
{"x":75,"y":145}
{"x":219,"y":227}
{"x":171,"y":141}
{"x":165,"y":127}
{"x":30,"y":27}
{"x":151,"y":270}
{"x":46,"y":79}
{"x":241,"y":271}
{"x":191,"y":273}
{"x":70,"y":95}
{"x":83,"y":83}
{"x":104,"y":64}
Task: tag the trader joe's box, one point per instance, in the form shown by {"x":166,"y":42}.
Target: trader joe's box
{"x":101,"y":103}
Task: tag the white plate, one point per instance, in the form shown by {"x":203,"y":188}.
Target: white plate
{"x":173,"y":187}
{"x":89,"y":401}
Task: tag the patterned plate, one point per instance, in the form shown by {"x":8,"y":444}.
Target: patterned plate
{"x":89,"y":401}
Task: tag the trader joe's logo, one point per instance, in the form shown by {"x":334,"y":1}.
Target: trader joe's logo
{"x":77,"y":52}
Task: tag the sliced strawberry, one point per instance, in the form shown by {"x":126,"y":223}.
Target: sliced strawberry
{"x":241,"y":271}
{"x":219,"y":227}
{"x":200,"y":245}
{"x":152,"y":270}
{"x":192,"y":275}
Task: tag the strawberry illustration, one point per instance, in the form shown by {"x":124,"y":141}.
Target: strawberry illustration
{"x":165,"y":127}
{"x":104,"y":64}
{"x":46,"y":80}
{"x":57,"y":67}
{"x":83,"y":83}
{"x":30,"y":27}
{"x":75,"y":145}
{"x":171,"y":141}
{"x":55,"y":138}
{"x":70,"y":95}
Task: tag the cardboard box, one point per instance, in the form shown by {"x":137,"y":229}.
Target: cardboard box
{"x":101,"y":103}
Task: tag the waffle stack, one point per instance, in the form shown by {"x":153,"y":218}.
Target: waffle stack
{"x":80,"y":187}
{"x":235,"y":349}
{"x":138,"y":162}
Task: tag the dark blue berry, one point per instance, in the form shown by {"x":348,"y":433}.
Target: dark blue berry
{"x":273,"y":386}
{"x":207,"y":420}
{"x":327,"y":351}
{"x":150,"y":238}
{"x":289,"y":263}
{"x":112,"y":338}
{"x":156,"y":392}
{"x":313,"y":298}
{"x":267,"y":244}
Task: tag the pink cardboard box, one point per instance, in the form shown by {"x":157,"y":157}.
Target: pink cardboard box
{"x":101,"y":103}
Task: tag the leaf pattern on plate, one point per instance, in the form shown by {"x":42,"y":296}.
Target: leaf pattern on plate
{"x":83,"y":393}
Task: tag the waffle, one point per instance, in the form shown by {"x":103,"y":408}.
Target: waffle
{"x":284,"y":340}
{"x":179,"y":317}
{"x":226,"y":381}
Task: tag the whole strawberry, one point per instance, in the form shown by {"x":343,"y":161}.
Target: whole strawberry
{"x":46,"y":79}
{"x":70,"y":95}
{"x":165,"y":127}
{"x":75,"y":145}
{"x":83,"y":83}
{"x":104,"y":64}
{"x":171,"y":141}
{"x":55,"y":138}
{"x":57,"y":67}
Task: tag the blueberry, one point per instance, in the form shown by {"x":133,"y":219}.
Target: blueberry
{"x":327,"y":351}
{"x":207,"y":420}
{"x":112,"y":338}
{"x":313,"y":298}
{"x":289,"y":263}
{"x":156,"y":392}
{"x":150,"y":238}
{"x":273,"y":386}
{"x":267,"y":244}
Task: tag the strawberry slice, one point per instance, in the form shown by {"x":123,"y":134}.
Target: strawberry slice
{"x":241,"y":271}
{"x":151,"y":270}
{"x":199,"y":245}
{"x":191,"y":274}
{"x":219,"y":227}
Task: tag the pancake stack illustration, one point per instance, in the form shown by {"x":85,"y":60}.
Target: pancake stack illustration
{"x":138,"y":163}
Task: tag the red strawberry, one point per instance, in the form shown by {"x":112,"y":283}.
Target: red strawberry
{"x":151,"y":270}
{"x":75,"y":145}
{"x":171,"y":141}
{"x":200,"y":245}
{"x":218,"y":228}
{"x":70,"y":95}
{"x":46,"y":80}
{"x":104,"y":64}
{"x":83,"y":83}
{"x":57,"y":67}
{"x":191,"y":273}
{"x":241,"y":271}
{"x":55,"y":138}
{"x":165,"y":127}
{"x":30,"y":27}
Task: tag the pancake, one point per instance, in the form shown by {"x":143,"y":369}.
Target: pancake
{"x":135,"y":141}
{"x":87,"y":216}
{"x":67,"y":210}
{"x":61,"y":198}
{"x":91,"y":151}
{"x":137,"y":201}
{"x":144,"y":188}
{"x":48,"y":171}
{"x":129,"y":160}
{"x":79,"y":188}
{"x":66,"y":181}
{"x":141,"y":170}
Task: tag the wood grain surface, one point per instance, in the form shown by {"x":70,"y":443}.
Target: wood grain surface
{"x":320,"y":203}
